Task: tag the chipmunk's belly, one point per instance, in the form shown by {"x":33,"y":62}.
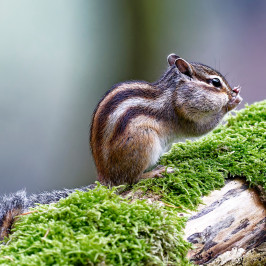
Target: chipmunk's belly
{"x":161,"y":145}
{"x":157,"y":151}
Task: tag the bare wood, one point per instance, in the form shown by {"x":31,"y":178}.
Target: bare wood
{"x":232,"y":219}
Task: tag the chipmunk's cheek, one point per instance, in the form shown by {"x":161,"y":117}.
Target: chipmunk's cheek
{"x":214,"y":102}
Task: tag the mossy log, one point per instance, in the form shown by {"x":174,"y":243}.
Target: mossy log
{"x":197,"y":214}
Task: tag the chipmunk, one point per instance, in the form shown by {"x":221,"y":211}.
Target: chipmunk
{"x":136,"y":122}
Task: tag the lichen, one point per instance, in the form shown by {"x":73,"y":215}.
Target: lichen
{"x":254,"y":257}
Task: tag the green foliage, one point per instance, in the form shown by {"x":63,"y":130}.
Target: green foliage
{"x":97,"y":227}
{"x":100,"y":227}
{"x":236,"y":149}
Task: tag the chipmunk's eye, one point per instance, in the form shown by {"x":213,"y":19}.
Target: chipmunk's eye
{"x":216,"y":82}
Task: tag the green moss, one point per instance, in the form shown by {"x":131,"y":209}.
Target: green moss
{"x":237,"y":148}
{"x":97,"y":227}
{"x":100,"y":227}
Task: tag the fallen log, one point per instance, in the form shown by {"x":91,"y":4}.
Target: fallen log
{"x":100,"y":227}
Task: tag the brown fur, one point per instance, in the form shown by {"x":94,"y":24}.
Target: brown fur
{"x":8,"y":221}
{"x":135,"y":121}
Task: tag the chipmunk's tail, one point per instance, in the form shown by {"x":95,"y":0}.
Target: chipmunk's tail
{"x":17,"y":203}
{"x":11,"y":206}
{"x":54,"y":196}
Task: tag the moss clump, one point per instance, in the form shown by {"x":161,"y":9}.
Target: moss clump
{"x":97,"y":227}
{"x":237,"y":148}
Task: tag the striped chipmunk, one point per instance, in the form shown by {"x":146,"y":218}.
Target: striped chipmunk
{"x":136,"y":121}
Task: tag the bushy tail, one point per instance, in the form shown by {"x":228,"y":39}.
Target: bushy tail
{"x":54,"y":196}
{"x":11,"y":206}
{"x":17,"y":203}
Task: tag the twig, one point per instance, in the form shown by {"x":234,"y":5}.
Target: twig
{"x":26,"y":213}
{"x":9,"y":258}
{"x":47,"y":232}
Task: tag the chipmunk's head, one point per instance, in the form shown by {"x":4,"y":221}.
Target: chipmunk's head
{"x":201,"y":91}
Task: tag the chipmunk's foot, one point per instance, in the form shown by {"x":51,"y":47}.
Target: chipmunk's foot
{"x":158,"y":172}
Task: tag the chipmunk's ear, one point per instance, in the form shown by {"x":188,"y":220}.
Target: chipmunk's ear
{"x":172,"y":58}
{"x":184,"y":67}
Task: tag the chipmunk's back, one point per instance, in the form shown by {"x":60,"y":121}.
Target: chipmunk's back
{"x":125,"y":107}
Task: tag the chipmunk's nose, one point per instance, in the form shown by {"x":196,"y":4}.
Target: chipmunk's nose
{"x":237,"y":89}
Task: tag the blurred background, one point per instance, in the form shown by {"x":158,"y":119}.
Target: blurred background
{"x":58,"y":57}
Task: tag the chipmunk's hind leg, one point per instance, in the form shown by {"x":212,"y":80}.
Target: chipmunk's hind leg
{"x":11,"y":206}
{"x":137,"y":150}
{"x":157,"y":172}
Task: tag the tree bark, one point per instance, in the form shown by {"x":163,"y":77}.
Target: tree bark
{"x":230,"y":223}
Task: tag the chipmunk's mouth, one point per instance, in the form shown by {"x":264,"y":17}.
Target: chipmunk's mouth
{"x":235,"y":100}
